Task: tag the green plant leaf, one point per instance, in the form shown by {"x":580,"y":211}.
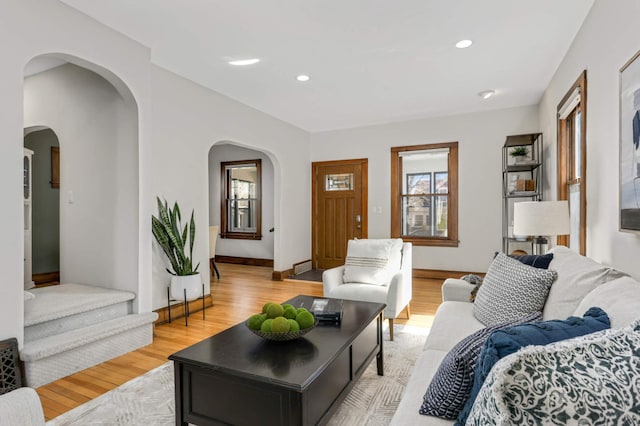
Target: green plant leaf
{"x":172,"y":237}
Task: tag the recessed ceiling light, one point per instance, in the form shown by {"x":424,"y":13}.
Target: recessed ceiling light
{"x":462,"y":44}
{"x":244,"y":62}
{"x":486,"y":94}
{"x":302,"y":77}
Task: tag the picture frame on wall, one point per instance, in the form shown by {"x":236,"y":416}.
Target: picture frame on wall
{"x":630,"y":145}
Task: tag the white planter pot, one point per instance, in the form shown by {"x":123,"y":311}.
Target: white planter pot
{"x":191,"y":283}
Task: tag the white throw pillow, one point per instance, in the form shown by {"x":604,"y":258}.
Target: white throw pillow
{"x":619,"y":298}
{"x":28,"y":295}
{"x":372,"y":261}
{"x":577,"y":276}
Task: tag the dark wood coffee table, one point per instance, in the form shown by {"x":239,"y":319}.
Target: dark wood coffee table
{"x":238,"y":378}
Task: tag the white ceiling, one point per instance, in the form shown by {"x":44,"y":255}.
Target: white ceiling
{"x":370,"y":61}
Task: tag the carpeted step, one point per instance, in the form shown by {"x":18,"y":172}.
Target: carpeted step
{"x":53,"y":357}
{"x":65,"y":307}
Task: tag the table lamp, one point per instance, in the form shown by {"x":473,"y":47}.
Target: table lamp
{"x":541,"y":219}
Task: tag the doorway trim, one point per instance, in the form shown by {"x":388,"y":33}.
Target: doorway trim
{"x":364,"y":163}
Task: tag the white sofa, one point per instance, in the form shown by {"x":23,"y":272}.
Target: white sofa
{"x":581,"y":284}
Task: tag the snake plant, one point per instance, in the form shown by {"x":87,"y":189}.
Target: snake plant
{"x":172,"y":237}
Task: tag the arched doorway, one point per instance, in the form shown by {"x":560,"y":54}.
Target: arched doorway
{"x":245,"y":249}
{"x":95,"y":118}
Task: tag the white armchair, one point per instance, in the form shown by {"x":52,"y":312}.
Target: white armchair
{"x":396,"y":293}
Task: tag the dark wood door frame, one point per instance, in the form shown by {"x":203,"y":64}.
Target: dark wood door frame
{"x":364,"y":163}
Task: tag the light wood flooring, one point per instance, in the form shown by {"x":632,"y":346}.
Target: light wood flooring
{"x":240,"y":292}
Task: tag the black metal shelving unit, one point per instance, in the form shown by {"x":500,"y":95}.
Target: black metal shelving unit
{"x":529,"y":168}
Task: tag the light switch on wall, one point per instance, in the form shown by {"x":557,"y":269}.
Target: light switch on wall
{"x":70,"y":197}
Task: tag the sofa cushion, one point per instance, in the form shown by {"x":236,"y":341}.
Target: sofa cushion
{"x":577,"y":276}
{"x":372,"y":261}
{"x":511,"y":290}
{"x":608,"y":296}
{"x":453,"y":322}
{"x":424,"y":368}
{"x":451,"y":385}
{"x":509,"y":340}
{"x":585,"y":380}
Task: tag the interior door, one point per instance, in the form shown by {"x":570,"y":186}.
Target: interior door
{"x":339,"y":209}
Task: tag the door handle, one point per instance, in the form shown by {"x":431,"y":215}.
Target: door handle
{"x":358,"y":221}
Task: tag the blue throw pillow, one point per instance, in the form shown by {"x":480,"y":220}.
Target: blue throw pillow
{"x":452,"y":382}
{"x":541,"y":261}
{"x":509,"y":340}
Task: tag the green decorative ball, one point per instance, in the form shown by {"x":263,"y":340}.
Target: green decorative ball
{"x":290,"y":312}
{"x":287,"y":305}
{"x":302,"y":310}
{"x":305,"y":320}
{"x":274,"y":310}
{"x":294,"y":325}
{"x":265,"y":306}
{"x":280,"y":325}
{"x":255,"y":322}
{"x":266,"y":326}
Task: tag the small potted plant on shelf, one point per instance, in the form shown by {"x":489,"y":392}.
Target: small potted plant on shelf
{"x":519,"y":153}
{"x":172,"y":237}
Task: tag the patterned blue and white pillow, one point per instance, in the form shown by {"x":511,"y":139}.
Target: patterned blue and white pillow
{"x":586,"y":380}
{"x":452,"y":383}
{"x":511,"y":290}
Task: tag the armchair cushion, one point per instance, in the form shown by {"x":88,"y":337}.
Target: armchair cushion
{"x":372,"y":261}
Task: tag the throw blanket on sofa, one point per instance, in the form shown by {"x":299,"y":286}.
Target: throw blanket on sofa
{"x":577,"y":381}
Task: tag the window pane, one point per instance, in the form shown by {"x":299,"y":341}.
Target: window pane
{"x":418,"y":183}
{"x":441,"y":219}
{"x":417,"y":217}
{"x":574,"y":213}
{"x":577,"y":148}
{"x":242,"y":214}
{"x":442,"y":183}
{"x":339,"y":182}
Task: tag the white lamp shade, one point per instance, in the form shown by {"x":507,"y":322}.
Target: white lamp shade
{"x":541,"y":218}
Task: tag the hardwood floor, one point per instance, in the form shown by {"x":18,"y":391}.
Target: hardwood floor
{"x":240,"y":292}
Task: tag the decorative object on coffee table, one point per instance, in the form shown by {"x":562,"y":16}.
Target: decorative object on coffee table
{"x":281,"y":337}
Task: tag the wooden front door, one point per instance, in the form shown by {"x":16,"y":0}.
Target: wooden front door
{"x":339,"y":204}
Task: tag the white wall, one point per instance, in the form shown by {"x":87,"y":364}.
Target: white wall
{"x":178,"y":122}
{"x":607,"y":40}
{"x":98,"y":169}
{"x":255,"y":249}
{"x":480,"y":138}
{"x":187,"y":122}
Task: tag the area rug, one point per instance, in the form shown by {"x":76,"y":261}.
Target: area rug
{"x":312,"y":275}
{"x":149,"y":399}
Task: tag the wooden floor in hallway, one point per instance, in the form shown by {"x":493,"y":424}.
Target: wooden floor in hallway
{"x":240,"y":292}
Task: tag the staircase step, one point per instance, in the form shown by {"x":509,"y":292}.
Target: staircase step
{"x":54,"y":357}
{"x":68,"y":299}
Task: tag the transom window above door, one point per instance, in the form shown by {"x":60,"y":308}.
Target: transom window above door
{"x":424,"y":194}
{"x":241,"y":199}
